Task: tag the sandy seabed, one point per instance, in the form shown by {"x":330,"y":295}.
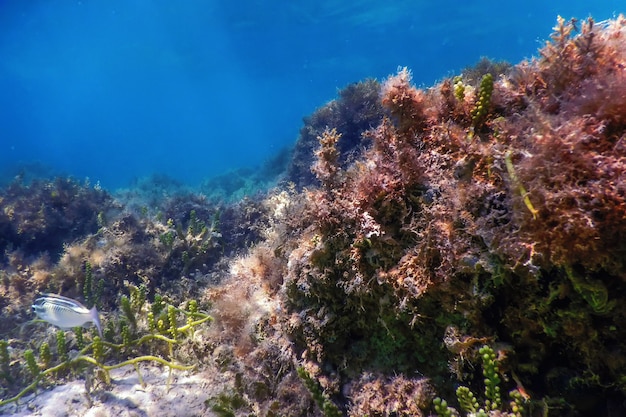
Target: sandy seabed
{"x":125,"y":397}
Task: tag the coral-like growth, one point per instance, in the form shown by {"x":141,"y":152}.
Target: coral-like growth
{"x":488,"y":209}
{"x":570,"y":155}
{"x":323,"y":402}
{"x":406,"y":104}
{"x":497,"y":210}
{"x":356,"y":110}
{"x":40,"y":217}
{"x":387,"y":396}
{"x":326,"y":168}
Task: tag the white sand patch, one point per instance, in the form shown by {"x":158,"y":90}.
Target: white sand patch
{"x":125,"y":397}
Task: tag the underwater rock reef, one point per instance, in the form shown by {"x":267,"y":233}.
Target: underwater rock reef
{"x":488,"y":211}
{"x":355,"y":111}
{"x":457,"y":250}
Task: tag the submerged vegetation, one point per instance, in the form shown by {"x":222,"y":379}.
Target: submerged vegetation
{"x":155,"y":327}
{"x":418,"y":235}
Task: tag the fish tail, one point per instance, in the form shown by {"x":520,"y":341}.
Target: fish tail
{"x":95,"y":317}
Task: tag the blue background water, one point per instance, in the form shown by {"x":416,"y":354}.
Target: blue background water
{"x":117,"y":89}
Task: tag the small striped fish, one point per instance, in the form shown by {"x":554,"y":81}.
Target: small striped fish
{"x":64,"y":312}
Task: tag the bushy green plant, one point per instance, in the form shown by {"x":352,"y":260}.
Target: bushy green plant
{"x":31,"y":363}
{"x":441,"y":408}
{"x":469,"y":403}
{"x":78,"y":334}
{"x":321,"y":399}
{"x":226,"y":404}
{"x":45,"y":356}
{"x":459,"y":88}
{"x":481,"y":107}
{"x":128,"y":311}
{"x":5,"y":361}
{"x":103,"y":356}
{"x":62,"y":346}
{"x":197,"y":239}
{"x":171,"y":316}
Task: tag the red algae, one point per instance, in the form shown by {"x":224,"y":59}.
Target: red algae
{"x":511,"y":229}
{"x":489,"y":209}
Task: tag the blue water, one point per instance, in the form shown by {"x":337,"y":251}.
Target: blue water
{"x":115,"y":90}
